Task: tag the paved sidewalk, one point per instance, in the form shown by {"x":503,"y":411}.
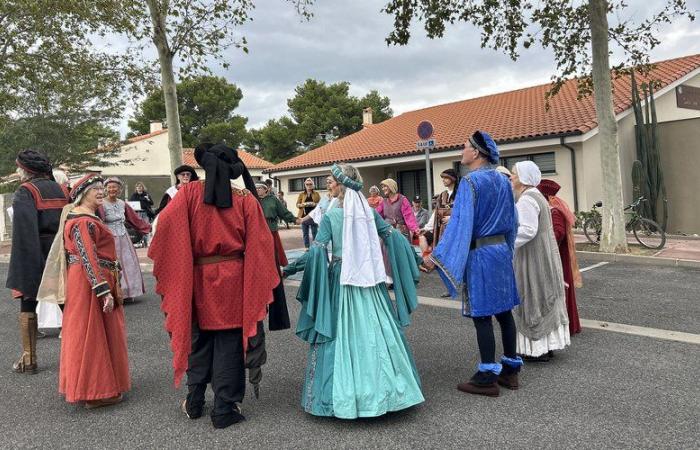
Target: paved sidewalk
{"x":675,"y":248}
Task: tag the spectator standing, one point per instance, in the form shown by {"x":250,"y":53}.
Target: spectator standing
{"x":306,"y":202}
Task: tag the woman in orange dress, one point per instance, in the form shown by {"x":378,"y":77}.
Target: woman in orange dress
{"x":94,"y":362}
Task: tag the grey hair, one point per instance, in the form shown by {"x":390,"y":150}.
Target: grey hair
{"x":60,"y":176}
{"x":23,"y":174}
{"x":351,"y":172}
{"x":374,"y":189}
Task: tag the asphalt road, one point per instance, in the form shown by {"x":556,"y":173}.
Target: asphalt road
{"x":607,"y":390}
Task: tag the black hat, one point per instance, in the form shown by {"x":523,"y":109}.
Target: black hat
{"x":221,"y":164}
{"x":34,"y":161}
{"x":417,"y":199}
{"x":186,"y":168}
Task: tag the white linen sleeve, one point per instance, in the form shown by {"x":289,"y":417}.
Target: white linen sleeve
{"x":430,"y":226}
{"x":528,"y":220}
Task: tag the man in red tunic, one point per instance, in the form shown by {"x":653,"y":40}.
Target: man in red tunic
{"x":213,"y":259}
{"x":563,"y":221}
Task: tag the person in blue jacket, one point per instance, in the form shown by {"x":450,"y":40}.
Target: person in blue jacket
{"x":475,"y":261}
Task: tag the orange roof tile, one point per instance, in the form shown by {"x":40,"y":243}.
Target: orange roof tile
{"x":146,"y":136}
{"x":250,"y":161}
{"x":509,"y":116}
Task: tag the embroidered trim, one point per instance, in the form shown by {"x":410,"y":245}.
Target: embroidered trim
{"x":42,"y":203}
{"x":101,"y":289}
{"x":344,"y":179}
{"x":310,"y":382}
{"x":457,"y":286}
{"x":85,"y":260}
{"x":110,"y":265}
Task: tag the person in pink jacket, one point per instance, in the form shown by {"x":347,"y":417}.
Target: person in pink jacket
{"x":396,"y":210}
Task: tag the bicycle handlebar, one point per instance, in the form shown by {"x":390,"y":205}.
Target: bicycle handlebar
{"x":634,"y":204}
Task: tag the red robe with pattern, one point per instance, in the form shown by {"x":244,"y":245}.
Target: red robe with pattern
{"x":560,"y":232}
{"x":223,"y":295}
{"x":94,"y":359}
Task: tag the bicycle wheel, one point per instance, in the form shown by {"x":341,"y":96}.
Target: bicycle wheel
{"x":649,"y":234}
{"x":591,"y":228}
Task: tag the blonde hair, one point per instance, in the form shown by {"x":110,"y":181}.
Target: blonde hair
{"x":139,"y":183}
{"x":350,"y":172}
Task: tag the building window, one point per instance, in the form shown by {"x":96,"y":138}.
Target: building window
{"x":297,"y":184}
{"x":413,"y":183}
{"x":545,"y":161}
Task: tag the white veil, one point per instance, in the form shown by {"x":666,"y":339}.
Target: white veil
{"x":363,"y":264}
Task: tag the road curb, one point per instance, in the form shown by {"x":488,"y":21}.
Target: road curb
{"x":641,"y":260}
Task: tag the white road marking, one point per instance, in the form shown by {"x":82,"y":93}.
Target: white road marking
{"x":594,"y":266}
{"x":656,"y":333}
{"x":668,"y":335}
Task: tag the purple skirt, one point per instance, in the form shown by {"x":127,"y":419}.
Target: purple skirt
{"x":131,"y":279}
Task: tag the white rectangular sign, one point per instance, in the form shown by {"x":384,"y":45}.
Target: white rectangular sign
{"x":426,"y":143}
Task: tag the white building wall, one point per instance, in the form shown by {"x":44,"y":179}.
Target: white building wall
{"x":149,"y":157}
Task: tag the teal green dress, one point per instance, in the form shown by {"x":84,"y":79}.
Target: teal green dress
{"x":359,"y":363}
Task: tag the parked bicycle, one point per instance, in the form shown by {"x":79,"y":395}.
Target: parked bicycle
{"x":647,"y":232}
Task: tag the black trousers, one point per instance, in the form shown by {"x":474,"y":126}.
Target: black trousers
{"x":216,"y":358}
{"x":29,"y":305}
{"x":486,"y":340}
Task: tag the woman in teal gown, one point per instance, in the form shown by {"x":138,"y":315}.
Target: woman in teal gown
{"x":359,"y":363}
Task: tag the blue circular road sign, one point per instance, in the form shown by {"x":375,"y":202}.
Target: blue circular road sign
{"x":425,"y":130}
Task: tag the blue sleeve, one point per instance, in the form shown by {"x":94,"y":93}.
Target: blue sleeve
{"x":452,"y":252}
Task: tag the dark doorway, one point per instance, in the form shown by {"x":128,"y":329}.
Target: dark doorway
{"x":412,"y":183}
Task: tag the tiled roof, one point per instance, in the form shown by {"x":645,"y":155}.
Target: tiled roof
{"x":508,"y":116}
{"x":146,"y":136}
{"x":251,"y":161}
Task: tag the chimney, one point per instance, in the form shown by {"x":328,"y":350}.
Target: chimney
{"x":366,"y":116}
{"x":156,"y":125}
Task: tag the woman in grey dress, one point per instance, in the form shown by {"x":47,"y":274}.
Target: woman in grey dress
{"x":117,"y":214}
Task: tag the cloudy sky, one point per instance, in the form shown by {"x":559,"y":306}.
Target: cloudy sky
{"x":344,"y":41}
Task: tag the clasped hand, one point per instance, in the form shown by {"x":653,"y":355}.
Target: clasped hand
{"x":108,"y":303}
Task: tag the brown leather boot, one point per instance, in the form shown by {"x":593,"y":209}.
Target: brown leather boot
{"x":509,"y":380}
{"x":482,"y":383}
{"x":510,"y":367}
{"x":28,"y":330}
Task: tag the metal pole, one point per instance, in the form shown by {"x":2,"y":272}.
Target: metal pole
{"x":429,"y":179}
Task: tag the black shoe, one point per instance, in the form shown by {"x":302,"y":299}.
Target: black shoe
{"x":445,"y":295}
{"x":190,"y":411}
{"x":226,"y":420}
{"x":542,"y":358}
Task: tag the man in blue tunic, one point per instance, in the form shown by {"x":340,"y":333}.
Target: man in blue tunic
{"x":475,"y":260}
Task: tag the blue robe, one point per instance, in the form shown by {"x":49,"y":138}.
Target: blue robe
{"x":484,"y":206}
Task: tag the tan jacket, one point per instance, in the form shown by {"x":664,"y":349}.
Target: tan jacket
{"x":302,"y":197}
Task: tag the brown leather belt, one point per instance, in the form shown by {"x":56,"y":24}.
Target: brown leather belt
{"x":202,"y":260}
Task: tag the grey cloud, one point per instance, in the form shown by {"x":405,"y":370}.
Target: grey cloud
{"x":345,"y":42}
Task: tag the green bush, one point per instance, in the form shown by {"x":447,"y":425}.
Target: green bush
{"x":582,"y":216}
